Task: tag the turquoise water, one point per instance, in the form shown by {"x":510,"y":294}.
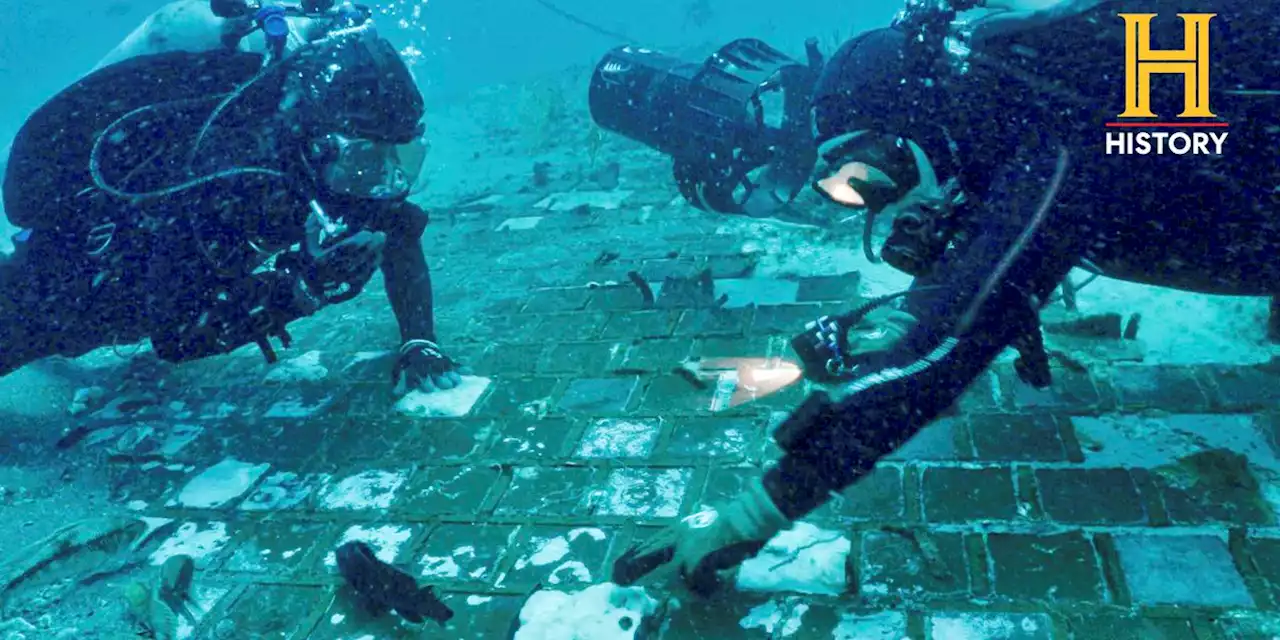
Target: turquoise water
{"x":44,"y":46}
{"x":629,"y":359}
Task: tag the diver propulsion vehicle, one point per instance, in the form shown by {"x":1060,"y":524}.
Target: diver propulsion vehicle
{"x":736,"y":125}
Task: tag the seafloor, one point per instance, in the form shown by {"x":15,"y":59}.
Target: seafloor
{"x":1135,"y":499}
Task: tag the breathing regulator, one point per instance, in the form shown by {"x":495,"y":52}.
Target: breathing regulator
{"x":273,"y":18}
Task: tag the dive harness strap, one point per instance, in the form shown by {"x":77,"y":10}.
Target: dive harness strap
{"x":421,"y":346}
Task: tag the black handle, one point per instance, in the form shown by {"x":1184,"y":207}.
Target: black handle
{"x":230,"y":8}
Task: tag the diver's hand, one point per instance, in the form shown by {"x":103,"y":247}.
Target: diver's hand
{"x":424,"y":367}
{"x":341,"y":271}
{"x":709,"y":542}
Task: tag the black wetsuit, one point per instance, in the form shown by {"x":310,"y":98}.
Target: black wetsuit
{"x":1199,"y":223}
{"x":99,"y":268}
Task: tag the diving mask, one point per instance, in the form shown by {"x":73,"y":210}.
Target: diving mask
{"x":862,"y":170}
{"x":880,"y":173}
{"x":371,"y":169}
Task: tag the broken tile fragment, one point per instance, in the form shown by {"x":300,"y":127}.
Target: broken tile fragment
{"x":220,"y":484}
{"x":200,"y":541}
{"x":802,"y":559}
{"x":607,"y":200}
{"x":304,"y":368}
{"x":178,"y":437}
{"x":523,"y":223}
{"x":447,"y":403}
{"x":298,"y":404}
{"x":776,"y":618}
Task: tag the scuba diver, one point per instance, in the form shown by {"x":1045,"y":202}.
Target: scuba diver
{"x":993,"y":158}
{"x":205,"y":200}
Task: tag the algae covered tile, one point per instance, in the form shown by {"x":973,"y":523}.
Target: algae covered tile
{"x":559,"y":558}
{"x":620,"y":438}
{"x":531,"y":440}
{"x":464,"y":553}
{"x":367,"y":490}
{"x":511,"y":396}
{"x":745,"y":617}
{"x":346,"y":620}
{"x":478,"y":616}
{"x":448,"y":490}
{"x":204,"y":597}
{"x":275,"y":548}
{"x":1156,"y":568}
{"x":305,"y":402}
{"x":284,"y":490}
{"x":712,"y":438}
{"x":440,"y":441}
{"x":1058,"y":568}
{"x":990,"y":626}
{"x":147,"y":439}
{"x":549,"y":491}
{"x":913,"y":564}
{"x":598,"y":396}
{"x":282,"y":612}
{"x":643,"y":493}
{"x":178,"y":438}
{"x":885,"y":625}
{"x":388,"y":541}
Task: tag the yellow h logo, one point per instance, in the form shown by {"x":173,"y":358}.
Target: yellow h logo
{"x":1141,"y":62}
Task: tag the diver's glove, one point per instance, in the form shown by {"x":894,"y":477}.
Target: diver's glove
{"x":706,"y":543}
{"x":831,"y":351}
{"x":339,"y":272}
{"x":423,"y":366}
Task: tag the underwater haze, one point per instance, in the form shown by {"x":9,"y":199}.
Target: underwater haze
{"x":279,"y":363}
{"x":457,"y":46}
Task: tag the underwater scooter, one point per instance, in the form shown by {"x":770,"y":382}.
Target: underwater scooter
{"x":736,"y":125}
{"x":738,"y":129}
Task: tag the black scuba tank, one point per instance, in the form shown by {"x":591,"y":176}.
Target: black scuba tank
{"x":49,"y":164}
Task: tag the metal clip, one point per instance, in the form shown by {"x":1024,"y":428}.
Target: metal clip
{"x":101,"y":236}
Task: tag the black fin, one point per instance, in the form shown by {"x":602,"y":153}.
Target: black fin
{"x":433,"y":607}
